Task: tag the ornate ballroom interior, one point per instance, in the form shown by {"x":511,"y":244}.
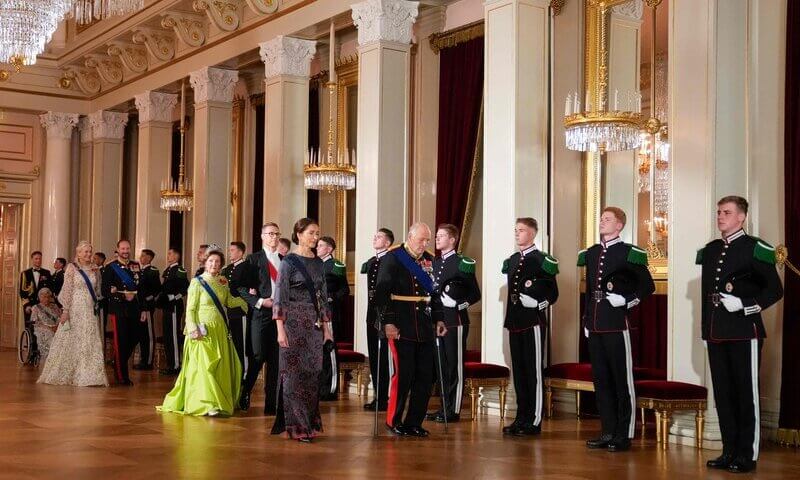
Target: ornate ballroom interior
{"x":187,"y":122}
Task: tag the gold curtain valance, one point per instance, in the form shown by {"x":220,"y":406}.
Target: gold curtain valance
{"x":451,"y":38}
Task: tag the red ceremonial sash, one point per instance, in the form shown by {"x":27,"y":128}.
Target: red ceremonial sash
{"x":273,"y":272}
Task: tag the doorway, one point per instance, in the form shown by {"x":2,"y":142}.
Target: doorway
{"x":9,"y":260}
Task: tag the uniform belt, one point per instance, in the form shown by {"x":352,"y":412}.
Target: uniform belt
{"x":125,"y":292}
{"x":410,"y":298}
{"x":715,"y":298}
{"x":598,"y":295}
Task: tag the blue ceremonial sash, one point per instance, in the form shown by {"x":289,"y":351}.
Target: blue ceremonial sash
{"x":91,"y":289}
{"x":124,"y":276}
{"x":214,"y":298}
{"x":415,"y":269}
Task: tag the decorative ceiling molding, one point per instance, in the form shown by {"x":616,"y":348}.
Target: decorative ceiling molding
{"x":160,"y":44}
{"x":189,"y":27}
{"x":556,"y":6}
{"x":225,"y":15}
{"x":134,"y":57}
{"x":88,"y":80}
{"x":263,"y":6}
{"x":109,"y":68}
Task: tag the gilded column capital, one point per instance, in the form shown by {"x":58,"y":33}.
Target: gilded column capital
{"x":384,"y":20}
{"x":287,"y":56}
{"x":108,"y":125}
{"x":155,"y":106}
{"x":213,"y":84}
{"x":58,"y":124}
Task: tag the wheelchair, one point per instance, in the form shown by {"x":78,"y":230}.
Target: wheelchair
{"x":28,"y":352}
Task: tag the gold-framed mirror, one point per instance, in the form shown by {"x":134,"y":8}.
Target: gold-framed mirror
{"x":346,"y":132}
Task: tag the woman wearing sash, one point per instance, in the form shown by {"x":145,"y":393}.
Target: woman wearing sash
{"x":210,"y":379}
{"x":76,"y":352}
{"x":303,"y":321}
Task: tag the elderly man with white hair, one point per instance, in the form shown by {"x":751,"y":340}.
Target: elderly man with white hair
{"x":404,"y":300}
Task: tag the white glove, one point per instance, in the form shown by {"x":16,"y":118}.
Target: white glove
{"x":731,"y":303}
{"x":463,"y":306}
{"x":170,"y":297}
{"x":447,"y":301}
{"x":528,"y":302}
{"x":615,"y":299}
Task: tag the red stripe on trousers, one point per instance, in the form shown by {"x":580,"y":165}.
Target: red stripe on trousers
{"x":391,"y":408}
{"x":117,"y":364}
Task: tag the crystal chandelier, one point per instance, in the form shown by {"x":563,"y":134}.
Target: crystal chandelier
{"x":337,"y":171}
{"x":87,"y":11}
{"x":178,"y":196}
{"x":600,"y":130}
{"x":26,"y":26}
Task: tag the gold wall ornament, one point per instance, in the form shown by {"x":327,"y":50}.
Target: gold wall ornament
{"x":4,"y":75}
{"x":556,"y":6}
{"x":65,"y":82}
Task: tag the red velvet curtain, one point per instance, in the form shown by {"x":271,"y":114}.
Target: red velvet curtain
{"x":790,"y":373}
{"x":460,"y":101}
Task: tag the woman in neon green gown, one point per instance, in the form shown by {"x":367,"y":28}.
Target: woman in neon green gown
{"x":210,"y":379}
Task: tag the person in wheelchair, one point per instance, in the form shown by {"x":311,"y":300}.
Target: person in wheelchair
{"x":44,"y":320}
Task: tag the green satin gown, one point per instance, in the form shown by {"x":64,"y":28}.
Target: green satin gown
{"x":211,"y":376}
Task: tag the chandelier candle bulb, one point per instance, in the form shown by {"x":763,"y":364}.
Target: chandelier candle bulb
{"x":331,"y":56}
{"x":616,"y":100}
{"x":567,"y":104}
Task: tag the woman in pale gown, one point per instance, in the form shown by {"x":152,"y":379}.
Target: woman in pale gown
{"x":45,"y":316}
{"x":76,"y":353}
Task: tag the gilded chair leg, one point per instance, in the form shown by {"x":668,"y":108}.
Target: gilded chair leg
{"x":665,"y":417}
{"x":644,"y":423}
{"x":548,"y":401}
{"x":578,"y":403}
{"x":359,"y":391}
{"x":658,"y":426}
{"x":473,"y":401}
{"x":342,"y":374}
{"x":700,"y":421}
{"x":502,"y":402}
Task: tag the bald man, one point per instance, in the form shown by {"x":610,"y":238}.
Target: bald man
{"x":405,"y":302}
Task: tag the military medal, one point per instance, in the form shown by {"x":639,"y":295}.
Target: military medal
{"x":528,"y":283}
{"x":609,"y":286}
{"x":729,"y":287}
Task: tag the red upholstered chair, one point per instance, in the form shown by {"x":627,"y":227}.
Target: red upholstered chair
{"x":665,"y":397}
{"x":351,"y":362}
{"x":485,"y":375}
{"x":473,"y":356}
{"x":567,"y":376}
{"x":344,"y":346}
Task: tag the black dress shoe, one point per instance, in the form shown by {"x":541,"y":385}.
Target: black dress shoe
{"x":527,"y":430}
{"x":619,"y":445}
{"x":126,"y":383}
{"x":741,"y":465}
{"x":304,"y":439}
{"x":722,"y":462}
{"x":399,"y":430}
{"x":244,"y":401}
{"x":510,"y":428}
{"x":371,"y":406}
{"x":601,"y":442}
{"x":450,"y":418}
{"x":417,"y":431}
{"x":433,"y":415}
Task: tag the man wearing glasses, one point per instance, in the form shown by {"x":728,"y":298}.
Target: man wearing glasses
{"x":263,"y":266}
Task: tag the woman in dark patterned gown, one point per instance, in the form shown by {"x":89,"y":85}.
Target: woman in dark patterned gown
{"x":303,"y":322}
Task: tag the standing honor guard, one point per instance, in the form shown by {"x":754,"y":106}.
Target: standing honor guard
{"x":376,"y":343}
{"x":404,"y":296}
{"x":58,"y":276}
{"x":30,"y":282}
{"x":532,"y":288}
{"x":236,"y":275}
{"x":263,"y":267}
{"x":455,"y":283}
{"x":121,"y":280}
{"x":174,"y":285}
{"x":739,"y":281}
{"x":149,"y":287}
{"x":338,"y":289}
{"x":617,"y":279}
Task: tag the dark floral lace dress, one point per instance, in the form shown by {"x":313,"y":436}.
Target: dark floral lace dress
{"x":301,"y":362}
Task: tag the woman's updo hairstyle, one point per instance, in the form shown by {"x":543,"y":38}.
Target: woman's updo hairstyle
{"x":300,"y":226}
{"x":218,"y":254}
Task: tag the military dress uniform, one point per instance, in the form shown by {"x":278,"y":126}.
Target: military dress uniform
{"x":338,"y":289}
{"x":57,"y":283}
{"x":149,"y":288}
{"x":403,"y":300}
{"x":377,"y":363}
{"x":613,"y":267}
{"x":236,"y":273}
{"x":533,"y":273}
{"x":453,"y":273}
{"x":174,"y":284}
{"x":742,"y":266}
{"x":30,"y":282}
{"x":123,"y":313}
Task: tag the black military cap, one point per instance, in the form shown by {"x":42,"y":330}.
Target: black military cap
{"x":538,"y":288}
{"x":742,"y":284}
{"x":622,"y":282}
{"x":455,"y":288}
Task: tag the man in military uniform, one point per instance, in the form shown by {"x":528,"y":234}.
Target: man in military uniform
{"x":263,"y":267}
{"x":617,"y":279}
{"x":170,"y":300}
{"x":381,"y":241}
{"x":455,"y":283}
{"x":99,"y":260}
{"x":57,"y":281}
{"x":121,"y":281}
{"x":739,"y":281}
{"x":149,"y":287}
{"x":532,"y":288}
{"x":236,"y":273}
{"x":338,"y":290}
{"x":405,"y":298}
{"x":31,"y":281}
{"x":201,"y":256}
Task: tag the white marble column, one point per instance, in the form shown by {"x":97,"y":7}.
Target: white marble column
{"x":56,"y":207}
{"x":85,"y":182}
{"x":155,"y":154}
{"x":108,"y":132}
{"x":384,"y":36}
{"x":515,"y":147}
{"x":287,"y":63}
{"x":213,"y":97}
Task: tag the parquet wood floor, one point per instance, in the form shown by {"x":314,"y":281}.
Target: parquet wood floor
{"x":115,"y":433}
